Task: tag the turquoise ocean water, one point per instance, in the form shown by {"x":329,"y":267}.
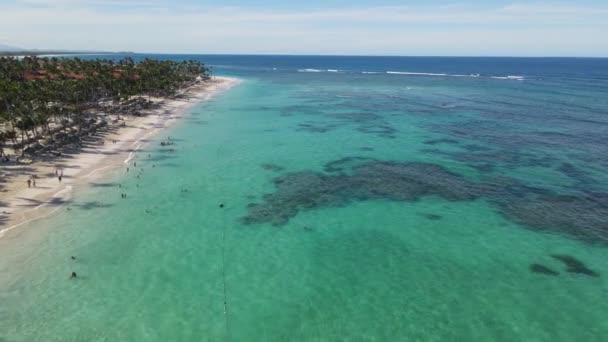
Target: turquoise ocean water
{"x":364,"y":199}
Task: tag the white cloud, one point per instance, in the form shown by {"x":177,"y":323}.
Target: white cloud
{"x":517,"y":29}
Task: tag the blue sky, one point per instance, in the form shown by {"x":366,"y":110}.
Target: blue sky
{"x":360,"y":27}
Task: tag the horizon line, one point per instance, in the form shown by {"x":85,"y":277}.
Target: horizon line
{"x":361,"y":55}
{"x":41,"y":52}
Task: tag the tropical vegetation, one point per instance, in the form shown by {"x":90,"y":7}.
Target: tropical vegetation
{"x":43,"y":100}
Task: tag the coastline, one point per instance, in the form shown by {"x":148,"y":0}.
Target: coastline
{"x":20,"y":204}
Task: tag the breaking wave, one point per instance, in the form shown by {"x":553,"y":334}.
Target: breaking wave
{"x":411,"y":73}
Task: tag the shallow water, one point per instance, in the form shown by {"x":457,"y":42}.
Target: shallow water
{"x":356,"y":206}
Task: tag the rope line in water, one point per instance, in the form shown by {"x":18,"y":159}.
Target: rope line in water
{"x":218,"y":152}
{"x":224,"y":276}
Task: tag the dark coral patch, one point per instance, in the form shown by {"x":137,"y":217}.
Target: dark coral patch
{"x":441,"y":141}
{"x":372,"y":180}
{"x":272,"y":167}
{"x":349,"y":179}
{"x":574,"y":265}
{"x":318,"y":127}
{"x":541,"y":269}
{"x":432,"y":217}
{"x":582,"y":178}
{"x":584,"y":217}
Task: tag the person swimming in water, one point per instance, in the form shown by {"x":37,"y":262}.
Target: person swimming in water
{"x":73,"y":275}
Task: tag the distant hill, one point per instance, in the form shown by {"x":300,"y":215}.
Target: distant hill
{"x":6,"y":48}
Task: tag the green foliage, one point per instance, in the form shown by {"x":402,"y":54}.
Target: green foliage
{"x":37,"y":91}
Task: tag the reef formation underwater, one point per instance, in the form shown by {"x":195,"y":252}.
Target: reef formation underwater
{"x":581,"y":216}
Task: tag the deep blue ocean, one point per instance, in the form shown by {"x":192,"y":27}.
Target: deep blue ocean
{"x":363,"y":199}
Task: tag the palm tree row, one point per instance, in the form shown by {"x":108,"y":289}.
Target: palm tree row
{"x":40,"y":96}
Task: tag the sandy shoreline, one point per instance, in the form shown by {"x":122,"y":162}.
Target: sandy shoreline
{"x":20,"y":205}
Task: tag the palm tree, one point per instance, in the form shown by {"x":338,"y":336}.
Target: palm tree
{"x":36,"y":93}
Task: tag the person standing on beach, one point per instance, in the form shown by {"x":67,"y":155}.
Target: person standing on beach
{"x":34,"y":182}
{"x":29,"y":183}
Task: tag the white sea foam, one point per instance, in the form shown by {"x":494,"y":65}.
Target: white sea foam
{"x":510,"y":77}
{"x":310,"y":70}
{"x":415,"y":73}
{"x":411,"y":73}
{"x":517,"y":78}
{"x":431,"y":74}
{"x":319,"y":70}
{"x":132,"y":153}
{"x":469,"y":75}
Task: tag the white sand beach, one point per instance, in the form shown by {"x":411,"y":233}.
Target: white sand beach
{"x":20,"y":204}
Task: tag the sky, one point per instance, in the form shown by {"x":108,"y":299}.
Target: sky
{"x":339,"y":27}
